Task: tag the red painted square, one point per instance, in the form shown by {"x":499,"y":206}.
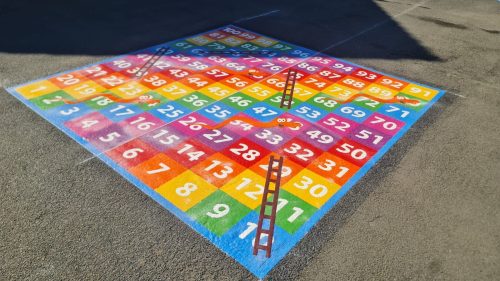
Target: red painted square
{"x":300,"y":151}
{"x":112,"y":80}
{"x":177,"y":73}
{"x":132,"y":153}
{"x":315,"y":81}
{"x":333,"y":167}
{"x":366,"y":75}
{"x":288,"y":171}
{"x":196,"y":81}
{"x":353,"y":83}
{"x":245,"y":152}
{"x":189,"y":152}
{"x":392,"y":83}
{"x":237,"y":82}
{"x":155,"y":80}
{"x":217,"y":73}
{"x":329,"y":75}
{"x":68,"y":79}
{"x":96,"y":71}
{"x":352,"y":151}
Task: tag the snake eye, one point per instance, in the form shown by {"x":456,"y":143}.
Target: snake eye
{"x":281,"y":120}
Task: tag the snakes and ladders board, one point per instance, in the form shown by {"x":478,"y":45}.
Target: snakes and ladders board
{"x":213,"y":179}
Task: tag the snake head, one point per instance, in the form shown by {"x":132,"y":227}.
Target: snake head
{"x":281,"y":121}
{"x":405,"y":100}
{"x":148,"y":99}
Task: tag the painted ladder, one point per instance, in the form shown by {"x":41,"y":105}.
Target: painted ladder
{"x":287,"y":97}
{"x":274,"y":177}
{"x":156,"y":56}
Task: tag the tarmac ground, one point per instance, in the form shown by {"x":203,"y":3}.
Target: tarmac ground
{"x":429,"y":209}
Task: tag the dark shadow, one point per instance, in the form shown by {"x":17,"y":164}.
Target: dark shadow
{"x":94,"y":27}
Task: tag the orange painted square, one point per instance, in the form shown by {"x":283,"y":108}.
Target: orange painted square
{"x":219,"y":174}
{"x":146,"y":170}
{"x":288,"y":171}
{"x":333,"y":168}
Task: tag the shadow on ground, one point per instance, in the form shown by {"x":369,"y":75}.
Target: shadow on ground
{"x":94,"y":27}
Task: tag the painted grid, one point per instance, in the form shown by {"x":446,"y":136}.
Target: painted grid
{"x":212,"y":179}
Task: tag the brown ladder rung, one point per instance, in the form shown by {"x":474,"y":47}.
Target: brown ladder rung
{"x":154,"y":58}
{"x":274,"y":205}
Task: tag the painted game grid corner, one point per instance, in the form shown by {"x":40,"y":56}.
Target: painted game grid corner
{"x":213,"y":179}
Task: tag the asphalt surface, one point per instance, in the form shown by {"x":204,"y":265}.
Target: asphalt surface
{"x":429,"y":210}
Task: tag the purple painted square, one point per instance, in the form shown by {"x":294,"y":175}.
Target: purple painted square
{"x":163,"y":138}
{"x":338,"y":125}
{"x":384,"y":124}
{"x":188,"y":125}
{"x":88,"y":124}
{"x":369,"y":137}
{"x":319,"y":137}
{"x":109,"y":137}
{"x":141,"y":124}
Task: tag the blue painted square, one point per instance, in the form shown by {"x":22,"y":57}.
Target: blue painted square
{"x":67,"y":112}
{"x":120,"y":111}
{"x":353,"y":112}
{"x":309,"y":112}
{"x":218,"y":111}
{"x":398,"y":111}
{"x":239,"y":241}
{"x":263,"y":112}
{"x":170,"y":111}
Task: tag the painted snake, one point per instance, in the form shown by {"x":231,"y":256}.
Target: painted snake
{"x":147,"y":99}
{"x":277,"y":122}
{"x":397,"y":99}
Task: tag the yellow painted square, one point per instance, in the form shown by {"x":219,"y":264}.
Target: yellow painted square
{"x":247,"y":188}
{"x":186,"y":190}
{"x":200,"y":40}
{"x":232,"y":41}
{"x":37,"y":89}
{"x":302,"y":92}
{"x":217,"y":91}
{"x":420,"y":92}
{"x":85,"y":89}
{"x":340,"y":92}
{"x":130,"y":90}
{"x":259,"y":91}
{"x":381,"y":92}
{"x":264,"y":41}
{"x":174,"y":90}
{"x":311,"y":187}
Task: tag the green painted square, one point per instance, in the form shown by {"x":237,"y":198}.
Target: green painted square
{"x":51,"y":100}
{"x":282,"y":47}
{"x":218,"y":212}
{"x":100,"y":102}
{"x":195,"y":101}
{"x":249,"y":46}
{"x":216,"y":46}
{"x":156,"y":96}
{"x":275,"y":101}
{"x":367,"y":103}
{"x":239,"y":101}
{"x":323,"y":101}
{"x":422,"y":104}
{"x":292,"y":212}
{"x":181,"y":45}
